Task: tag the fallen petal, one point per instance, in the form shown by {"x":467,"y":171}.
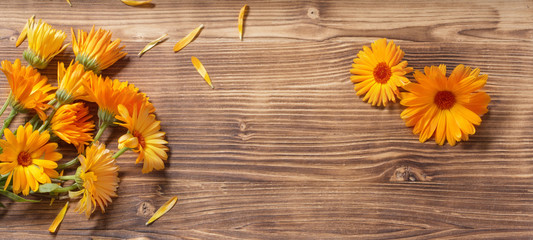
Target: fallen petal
{"x":163,"y":209}
{"x":187,"y":39}
{"x":135,"y":3}
{"x":152,"y":44}
{"x":70,"y":4}
{"x":201,"y":69}
{"x":241,"y":20}
{"x":58,"y":219}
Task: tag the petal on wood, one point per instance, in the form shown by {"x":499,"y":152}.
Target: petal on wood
{"x":152,"y":44}
{"x":241,"y":20}
{"x":135,"y":3}
{"x":163,"y":209}
{"x":187,"y":39}
{"x":201,"y":69}
{"x":24,"y":32}
{"x":58,"y":219}
{"x":70,"y":4}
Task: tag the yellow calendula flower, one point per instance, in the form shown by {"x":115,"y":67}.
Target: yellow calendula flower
{"x":95,"y":50}
{"x":70,"y":81}
{"x":28,"y":158}
{"x":44,"y":43}
{"x":144,"y":137}
{"x":108,"y":94}
{"x":445,"y":107}
{"x":29,"y":90}
{"x":72,"y":123}
{"x":98,"y":174}
{"x":379,"y":71}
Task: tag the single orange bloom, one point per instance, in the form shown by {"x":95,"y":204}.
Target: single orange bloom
{"x":95,"y":50}
{"x":28,"y":158}
{"x":445,"y":107}
{"x":72,"y":123}
{"x":378,"y":72}
{"x":29,"y":90}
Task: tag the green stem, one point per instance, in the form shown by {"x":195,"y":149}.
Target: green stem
{"x":34,"y":120}
{"x":7,"y":121}
{"x":68,"y":164}
{"x":49,"y":119}
{"x":101,"y":130}
{"x":66,"y":178}
{"x":66,"y":189}
{"x":8,"y":101}
{"x":120,"y":152}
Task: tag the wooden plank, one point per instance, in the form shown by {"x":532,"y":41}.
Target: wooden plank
{"x":282,"y":148}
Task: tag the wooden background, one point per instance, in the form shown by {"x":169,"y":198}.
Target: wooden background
{"x":283,"y":148}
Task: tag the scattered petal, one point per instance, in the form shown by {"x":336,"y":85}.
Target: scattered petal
{"x":24,"y":32}
{"x":135,"y":3}
{"x":163,"y":209}
{"x":152,"y":44}
{"x":58,"y":219}
{"x":187,"y":39}
{"x":201,"y":69}
{"x":241,"y":20}
{"x":70,"y":4}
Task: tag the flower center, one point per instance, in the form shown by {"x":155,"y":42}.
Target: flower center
{"x":24,"y":159}
{"x":382,"y":73}
{"x":445,"y":100}
{"x":140,"y":138}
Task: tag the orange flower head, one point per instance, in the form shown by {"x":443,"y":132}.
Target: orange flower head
{"x":445,"y":107}
{"x":95,"y":50}
{"x":70,"y":82}
{"x":379,"y":71}
{"x":44,"y":43}
{"x":144,"y":137}
{"x":72,"y":123}
{"x":28,"y":158}
{"x":29,"y":90}
{"x":108,"y":94}
{"x":98,"y":174}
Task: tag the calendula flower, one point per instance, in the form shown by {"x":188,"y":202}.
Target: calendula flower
{"x":95,"y":50}
{"x":29,"y":90}
{"x":108,"y":94}
{"x":28,"y":158}
{"x":72,"y":123}
{"x":44,"y":43}
{"x":98,"y":174}
{"x":445,"y":107}
{"x":378,"y":72}
{"x":70,"y":80}
{"x":143,"y":137}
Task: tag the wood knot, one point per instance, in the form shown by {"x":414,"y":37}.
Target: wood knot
{"x":12,"y":38}
{"x":242,"y":125}
{"x":146,"y":209}
{"x":409,"y":174}
{"x":313,"y":13}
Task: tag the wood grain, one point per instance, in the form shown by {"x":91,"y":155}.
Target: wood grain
{"x":282,"y":148}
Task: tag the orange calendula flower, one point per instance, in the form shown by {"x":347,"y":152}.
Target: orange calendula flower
{"x":108,"y":94}
{"x":72,"y":123}
{"x":445,"y":107}
{"x":28,"y":158}
{"x":143,"y":137}
{"x":29,"y":90}
{"x":378,"y":72}
{"x":95,"y":50}
{"x":44,"y":43}
{"x":69,"y":81}
{"x":98,"y":174}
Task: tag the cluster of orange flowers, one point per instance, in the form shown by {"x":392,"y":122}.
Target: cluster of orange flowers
{"x":437,"y":105}
{"x":29,"y":157}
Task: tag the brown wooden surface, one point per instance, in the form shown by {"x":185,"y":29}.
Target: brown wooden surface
{"x":283,"y":148}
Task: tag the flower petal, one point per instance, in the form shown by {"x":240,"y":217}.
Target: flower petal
{"x":163,"y":209}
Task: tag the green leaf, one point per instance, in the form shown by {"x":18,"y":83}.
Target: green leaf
{"x":16,"y":197}
{"x":48,"y":187}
